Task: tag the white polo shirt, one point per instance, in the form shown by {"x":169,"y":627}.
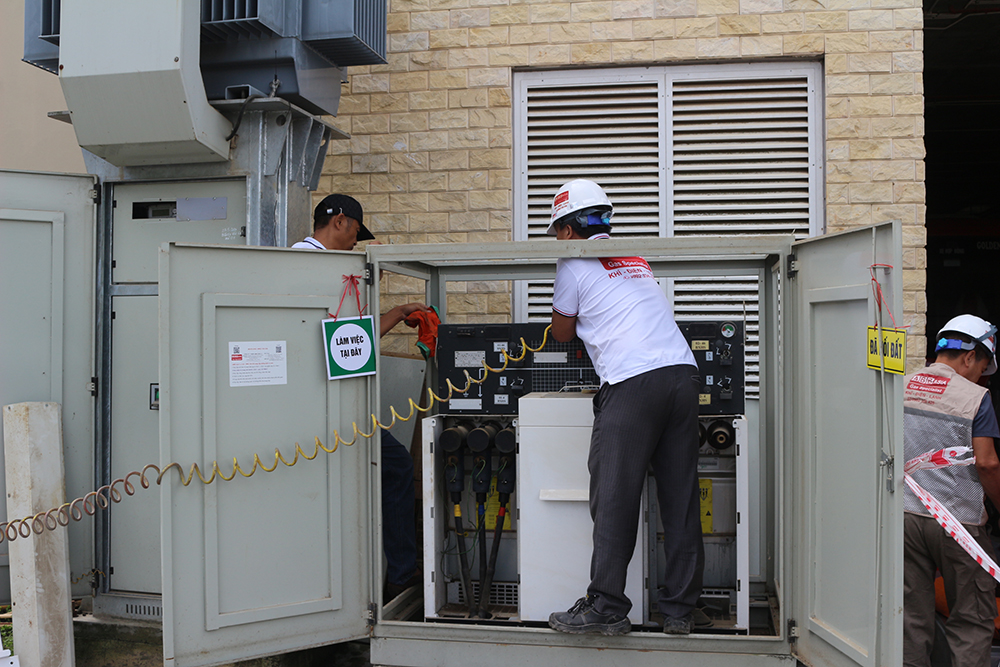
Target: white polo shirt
{"x":622,"y":315}
{"x":309,"y":243}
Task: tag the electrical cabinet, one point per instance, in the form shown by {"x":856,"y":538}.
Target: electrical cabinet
{"x":833,"y":587}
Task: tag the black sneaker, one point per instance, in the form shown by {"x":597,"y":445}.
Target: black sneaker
{"x":582,"y":619}
{"x":677,"y":626}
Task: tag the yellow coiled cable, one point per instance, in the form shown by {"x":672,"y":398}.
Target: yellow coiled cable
{"x":104,"y":496}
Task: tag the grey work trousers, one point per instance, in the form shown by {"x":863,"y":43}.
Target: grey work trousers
{"x":649,"y":419}
{"x":969,"y":590}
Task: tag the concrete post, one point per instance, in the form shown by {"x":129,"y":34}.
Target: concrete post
{"x":39,"y":565}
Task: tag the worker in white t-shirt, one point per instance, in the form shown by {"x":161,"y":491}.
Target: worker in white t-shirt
{"x":645,"y":414}
{"x":338,"y":224}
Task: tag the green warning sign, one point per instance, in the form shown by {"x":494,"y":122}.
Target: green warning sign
{"x":350,"y":347}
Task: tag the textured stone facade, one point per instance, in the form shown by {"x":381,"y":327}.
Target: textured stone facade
{"x":430,"y":155}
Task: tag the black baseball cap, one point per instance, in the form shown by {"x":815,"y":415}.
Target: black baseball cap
{"x":349,"y":206}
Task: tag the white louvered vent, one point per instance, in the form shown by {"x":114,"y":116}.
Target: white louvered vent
{"x":741,"y":161}
{"x":738,"y":146}
{"x":741,"y":165}
{"x":608,"y":133}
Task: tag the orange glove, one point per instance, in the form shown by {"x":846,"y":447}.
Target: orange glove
{"x":427,"y":322}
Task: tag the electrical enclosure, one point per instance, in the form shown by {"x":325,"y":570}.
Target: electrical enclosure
{"x":822,"y":608}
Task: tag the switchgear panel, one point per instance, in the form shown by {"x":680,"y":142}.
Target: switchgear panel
{"x":464,"y":347}
{"x":718,"y":348}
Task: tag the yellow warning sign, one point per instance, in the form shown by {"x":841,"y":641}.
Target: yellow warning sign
{"x":493,"y":506}
{"x":705,"y":494}
{"x":892,"y":350}
{"x":699,"y":345}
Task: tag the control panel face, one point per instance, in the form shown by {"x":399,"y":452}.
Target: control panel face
{"x":718,"y":348}
{"x":464,"y":347}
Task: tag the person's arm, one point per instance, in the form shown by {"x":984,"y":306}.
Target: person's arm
{"x":394,"y":316}
{"x":988,"y":467}
{"x":563,"y":328}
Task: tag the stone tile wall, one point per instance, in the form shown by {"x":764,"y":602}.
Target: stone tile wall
{"x":430,"y":154}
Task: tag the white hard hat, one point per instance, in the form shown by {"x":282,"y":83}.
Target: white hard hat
{"x":978,"y":329}
{"x":575,"y":196}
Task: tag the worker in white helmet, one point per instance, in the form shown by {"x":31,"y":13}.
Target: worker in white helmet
{"x":645,"y":413}
{"x":943,"y":406}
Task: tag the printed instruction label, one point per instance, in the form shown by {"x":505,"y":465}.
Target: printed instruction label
{"x":892,"y":349}
{"x":349,"y":344}
{"x":705,"y":500}
{"x":258,"y":363}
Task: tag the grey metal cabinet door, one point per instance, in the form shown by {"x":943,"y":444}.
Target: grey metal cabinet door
{"x":47,"y":225}
{"x":843,"y":508}
{"x":278,"y":561}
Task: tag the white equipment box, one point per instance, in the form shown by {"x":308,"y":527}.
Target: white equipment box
{"x":555,"y":529}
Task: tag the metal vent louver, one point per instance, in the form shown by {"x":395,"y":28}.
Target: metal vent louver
{"x":738,"y":152}
{"x":50,"y":21}
{"x":224,"y":20}
{"x":741,"y":165}
{"x":608,"y":133}
{"x":741,"y":156}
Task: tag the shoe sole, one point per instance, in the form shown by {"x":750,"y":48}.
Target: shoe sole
{"x":618,"y":629}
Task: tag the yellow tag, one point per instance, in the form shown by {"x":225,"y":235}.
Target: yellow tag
{"x":493,"y":506}
{"x":705,"y":495}
{"x":699,"y":345}
{"x":458,"y":510}
{"x":893,"y":350}
{"x":704,"y":399}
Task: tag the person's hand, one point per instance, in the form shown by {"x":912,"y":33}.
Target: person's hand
{"x":408,"y":309}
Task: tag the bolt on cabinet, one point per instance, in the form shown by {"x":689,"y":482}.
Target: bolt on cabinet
{"x":292,"y":558}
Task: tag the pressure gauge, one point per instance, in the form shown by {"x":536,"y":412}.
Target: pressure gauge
{"x":728,"y":329}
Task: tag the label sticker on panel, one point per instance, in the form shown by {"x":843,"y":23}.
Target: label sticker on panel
{"x":705,"y":498}
{"x":466,"y":404}
{"x":704,"y":399}
{"x":258,"y":363}
{"x":469,"y":358}
{"x":699,"y":345}
{"x":500,"y":399}
{"x":349,"y":346}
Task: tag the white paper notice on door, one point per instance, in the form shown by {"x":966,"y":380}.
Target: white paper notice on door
{"x":256,"y":363}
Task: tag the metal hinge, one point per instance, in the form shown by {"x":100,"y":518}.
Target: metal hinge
{"x":92,"y":386}
{"x":888,"y":462}
{"x":95,"y":195}
{"x":370,"y":615}
{"x":793,"y":630}
{"x":793,"y":266}
{"x":369,"y":274}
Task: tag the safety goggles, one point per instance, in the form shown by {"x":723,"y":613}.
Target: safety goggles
{"x":594,"y":218}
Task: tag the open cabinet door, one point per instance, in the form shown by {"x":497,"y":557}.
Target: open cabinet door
{"x":843,"y":514}
{"x":279,"y":561}
{"x":47,"y":227}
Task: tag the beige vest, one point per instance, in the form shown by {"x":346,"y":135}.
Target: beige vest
{"x":939,"y":406}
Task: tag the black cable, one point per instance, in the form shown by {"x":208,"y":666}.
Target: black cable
{"x":239,"y":117}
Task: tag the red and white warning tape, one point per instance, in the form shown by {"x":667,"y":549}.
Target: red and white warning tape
{"x":943,"y":458}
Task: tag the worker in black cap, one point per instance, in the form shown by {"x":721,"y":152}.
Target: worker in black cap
{"x":338,"y":225}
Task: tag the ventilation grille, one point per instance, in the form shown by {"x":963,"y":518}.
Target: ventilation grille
{"x":367,"y":43}
{"x":608,"y":133}
{"x":738,"y":154}
{"x":502,"y":594}
{"x":741,"y":161}
{"x":145,"y":611}
{"x":50,"y":21}
{"x":741,"y":165}
{"x":224,"y":20}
